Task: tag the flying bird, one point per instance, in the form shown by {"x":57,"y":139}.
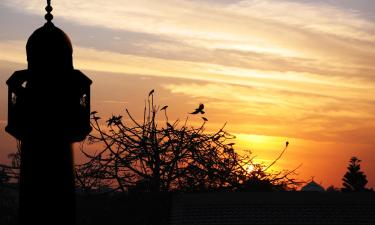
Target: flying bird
{"x":151,"y":92}
{"x":164,"y":108}
{"x":199,"y":109}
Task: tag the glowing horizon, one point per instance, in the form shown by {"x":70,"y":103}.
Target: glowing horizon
{"x":306,"y":76}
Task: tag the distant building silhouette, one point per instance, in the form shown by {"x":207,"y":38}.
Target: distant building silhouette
{"x":312,"y":186}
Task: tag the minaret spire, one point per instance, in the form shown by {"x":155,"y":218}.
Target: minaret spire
{"x":49,"y":9}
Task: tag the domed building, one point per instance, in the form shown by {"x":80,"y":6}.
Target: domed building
{"x":312,"y":186}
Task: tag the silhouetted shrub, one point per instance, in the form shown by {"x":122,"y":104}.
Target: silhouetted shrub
{"x":354,"y":179}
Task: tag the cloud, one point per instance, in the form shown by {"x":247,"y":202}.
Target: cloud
{"x":316,"y":16}
{"x":180,"y":17}
{"x":313,"y":65}
{"x":114,"y":102}
{"x":312,"y":38}
{"x":13,"y":51}
{"x":92,"y":59}
{"x":285,"y":113}
{"x":278,"y":68}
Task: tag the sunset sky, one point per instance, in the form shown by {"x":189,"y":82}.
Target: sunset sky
{"x":274,"y":70}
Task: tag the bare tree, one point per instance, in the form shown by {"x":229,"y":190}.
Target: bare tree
{"x":150,"y":156}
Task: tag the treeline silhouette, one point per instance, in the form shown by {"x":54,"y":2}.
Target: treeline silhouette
{"x":154,"y":155}
{"x":139,"y":165}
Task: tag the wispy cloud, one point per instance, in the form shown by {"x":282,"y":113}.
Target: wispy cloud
{"x":311,"y":66}
{"x":180,"y":16}
{"x":304,"y":36}
{"x":286,"y":113}
{"x":271,"y":68}
{"x":114,"y":102}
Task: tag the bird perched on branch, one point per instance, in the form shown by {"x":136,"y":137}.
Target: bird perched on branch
{"x":199,"y":109}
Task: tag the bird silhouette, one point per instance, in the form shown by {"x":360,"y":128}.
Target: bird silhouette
{"x":164,"y":108}
{"x":286,"y":143}
{"x":151,"y":92}
{"x":205,"y":119}
{"x":199,"y":109}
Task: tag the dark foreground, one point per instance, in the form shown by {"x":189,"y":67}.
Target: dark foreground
{"x":214,"y":208}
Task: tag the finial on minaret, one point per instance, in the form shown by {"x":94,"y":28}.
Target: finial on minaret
{"x":49,"y":9}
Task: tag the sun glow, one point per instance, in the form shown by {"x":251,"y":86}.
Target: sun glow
{"x":306,"y":76}
{"x":249,"y":168}
{"x":254,"y":141}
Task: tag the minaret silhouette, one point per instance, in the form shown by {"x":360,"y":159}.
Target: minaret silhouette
{"x":48,"y":110}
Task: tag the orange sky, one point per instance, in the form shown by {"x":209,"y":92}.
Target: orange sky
{"x":301,"y":71}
